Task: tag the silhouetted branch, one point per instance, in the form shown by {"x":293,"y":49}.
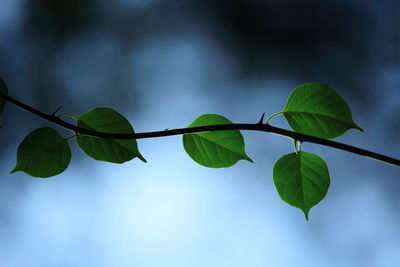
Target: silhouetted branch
{"x":221,"y":127}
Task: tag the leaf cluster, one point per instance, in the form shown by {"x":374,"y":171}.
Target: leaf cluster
{"x":301,"y":178}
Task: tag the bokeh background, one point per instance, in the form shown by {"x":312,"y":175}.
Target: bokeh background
{"x":162,"y":64}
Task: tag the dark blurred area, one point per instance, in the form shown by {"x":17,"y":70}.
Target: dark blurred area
{"x":303,"y":40}
{"x":56,"y":43}
{"x":82,"y":54}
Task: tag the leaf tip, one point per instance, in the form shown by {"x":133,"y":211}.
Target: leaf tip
{"x":16,"y":169}
{"x":249,"y":159}
{"x":142,"y":158}
{"x":306,"y":214}
{"x":359,"y":128}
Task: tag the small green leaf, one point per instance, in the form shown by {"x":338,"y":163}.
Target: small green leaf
{"x":302,"y":180}
{"x":317,"y":110}
{"x":215,"y":149}
{"x":43,"y":153}
{"x":111,"y":150}
{"x":3,"y":90}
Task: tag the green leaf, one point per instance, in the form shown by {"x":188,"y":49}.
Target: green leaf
{"x":215,"y":149}
{"x":111,"y":150}
{"x":3,"y":90}
{"x":302,"y":180}
{"x":316,"y":109}
{"x":43,"y":153}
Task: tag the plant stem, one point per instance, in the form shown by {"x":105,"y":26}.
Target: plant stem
{"x":220,"y":127}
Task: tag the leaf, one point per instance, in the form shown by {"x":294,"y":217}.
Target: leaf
{"x":215,"y":149}
{"x":3,"y":90}
{"x":43,"y":153}
{"x":302,"y":180}
{"x":111,"y":150}
{"x":316,"y":109}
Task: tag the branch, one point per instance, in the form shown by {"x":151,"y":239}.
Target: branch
{"x":221,"y":127}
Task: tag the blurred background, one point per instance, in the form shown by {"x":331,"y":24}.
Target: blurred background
{"x":164,"y":63}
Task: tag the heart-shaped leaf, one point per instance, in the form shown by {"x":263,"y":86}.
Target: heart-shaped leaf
{"x":302,"y":179}
{"x":43,"y":153}
{"x":317,"y":110}
{"x":215,"y":149}
{"x":111,"y":150}
{"x":3,"y":90}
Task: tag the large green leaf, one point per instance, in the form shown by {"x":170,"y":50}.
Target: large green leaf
{"x":3,"y":90}
{"x":111,"y":150}
{"x":215,"y":149}
{"x":317,"y":110}
{"x":43,"y":153}
{"x":302,"y":179}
